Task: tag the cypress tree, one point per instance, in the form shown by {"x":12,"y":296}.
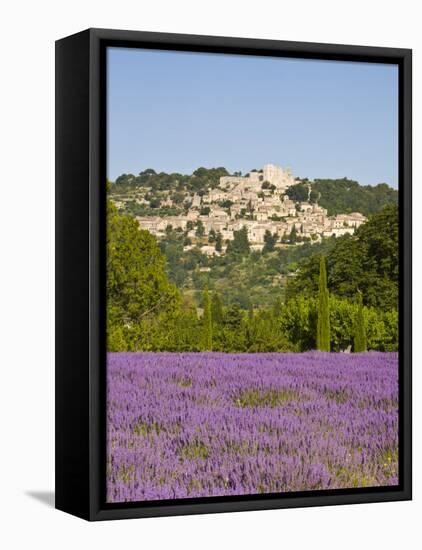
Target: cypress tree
{"x":277,"y":309}
{"x":250,"y":314}
{"x":240,"y":242}
{"x":219,"y":242}
{"x":293,"y":235}
{"x":359,"y":340}
{"x":207,"y":323}
{"x":216,"y":309}
{"x":250,"y":328}
{"x":323,"y":325}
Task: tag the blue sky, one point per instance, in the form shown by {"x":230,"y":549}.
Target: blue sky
{"x":175,"y":111}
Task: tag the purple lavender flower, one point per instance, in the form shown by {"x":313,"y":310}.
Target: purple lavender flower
{"x":182,"y":425}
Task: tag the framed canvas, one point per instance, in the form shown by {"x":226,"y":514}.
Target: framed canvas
{"x":233,"y":274}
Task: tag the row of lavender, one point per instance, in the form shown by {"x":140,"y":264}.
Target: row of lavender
{"x":211,"y":424}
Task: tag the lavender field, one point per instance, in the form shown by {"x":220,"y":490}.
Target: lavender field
{"x":186,"y":425}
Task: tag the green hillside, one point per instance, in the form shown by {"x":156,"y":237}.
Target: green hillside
{"x":342,"y":196}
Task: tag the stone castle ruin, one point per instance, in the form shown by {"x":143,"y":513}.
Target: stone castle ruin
{"x":271,"y":173}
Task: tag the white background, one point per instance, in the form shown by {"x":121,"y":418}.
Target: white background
{"x":29,"y":29}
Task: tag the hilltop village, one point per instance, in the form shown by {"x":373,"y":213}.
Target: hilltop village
{"x":257,"y":202}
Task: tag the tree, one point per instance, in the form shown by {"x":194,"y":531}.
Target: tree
{"x":203,"y":178}
{"x":366,"y":261}
{"x":277,"y":308}
{"x":178,"y":197}
{"x":264,"y":336}
{"x":206,"y":343}
{"x":226,"y":203}
{"x":219,"y":242}
{"x":211,"y":236}
{"x":148,"y":172}
{"x":293,"y":235}
{"x":342,"y":322}
{"x":359,"y":340}
{"x":137,"y":285}
{"x":125,"y":180}
{"x":314,"y":197}
{"x":323,"y":325}
{"x":216,"y":309}
{"x":298,"y":322}
{"x":200,"y":230}
{"x":233,"y":317}
{"x":250,"y":314}
{"x":250,"y":208}
{"x":298,"y":192}
{"x":240,"y":242}
{"x":343,"y":195}
{"x":270,"y":241}
{"x":155,"y":202}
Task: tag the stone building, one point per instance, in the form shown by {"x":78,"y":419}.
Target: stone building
{"x":271,"y":173}
{"x":256,"y":208}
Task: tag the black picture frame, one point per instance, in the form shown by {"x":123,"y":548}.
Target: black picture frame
{"x":80,"y":271}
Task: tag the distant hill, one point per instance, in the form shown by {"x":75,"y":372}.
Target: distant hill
{"x":198,"y":182}
{"x":338,"y":196}
{"x":342,"y":196}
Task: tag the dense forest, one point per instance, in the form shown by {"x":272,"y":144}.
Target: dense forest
{"x":160,"y":298}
